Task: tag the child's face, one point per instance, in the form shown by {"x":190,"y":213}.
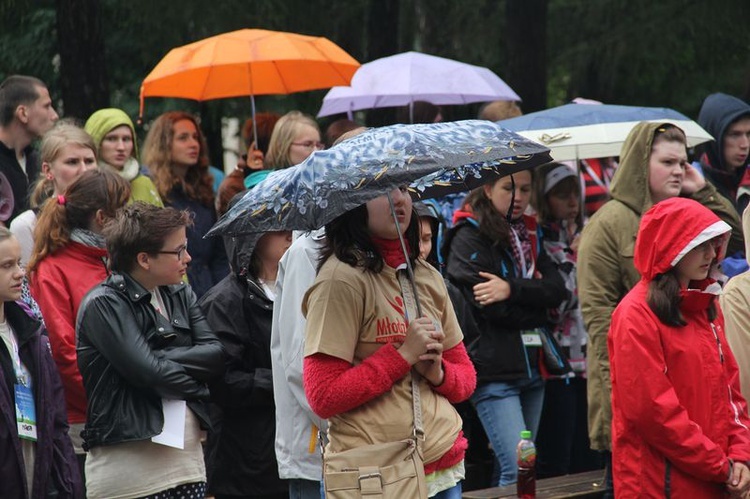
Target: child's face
{"x":501,"y":192}
{"x":563,"y":206}
{"x":11,"y":272}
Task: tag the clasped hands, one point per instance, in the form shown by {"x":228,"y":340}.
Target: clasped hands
{"x":423,"y":349}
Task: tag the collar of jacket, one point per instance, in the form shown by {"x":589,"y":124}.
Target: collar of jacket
{"x":133,"y":289}
{"x":255,"y":292}
{"x":22,"y":323}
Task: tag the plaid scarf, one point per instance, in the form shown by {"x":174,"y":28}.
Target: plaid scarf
{"x":519,"y":229}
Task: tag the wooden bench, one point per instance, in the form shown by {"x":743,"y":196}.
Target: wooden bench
{"x":589,"y":484}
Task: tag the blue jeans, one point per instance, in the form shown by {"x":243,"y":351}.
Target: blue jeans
{"x":305,"y":489}
{"x":506,"y":408}
{"x":451,"y":493}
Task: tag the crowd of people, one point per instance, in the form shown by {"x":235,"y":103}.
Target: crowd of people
{"x":142,"y":360}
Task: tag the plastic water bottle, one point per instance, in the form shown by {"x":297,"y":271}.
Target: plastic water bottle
{"x":526,"y":457}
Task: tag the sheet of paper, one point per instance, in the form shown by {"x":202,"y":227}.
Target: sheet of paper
{"x":173,"y":432}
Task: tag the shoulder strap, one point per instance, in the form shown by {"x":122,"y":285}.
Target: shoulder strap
{"x":411,"y":311}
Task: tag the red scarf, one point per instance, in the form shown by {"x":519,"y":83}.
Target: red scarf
{"x":390,"y":250}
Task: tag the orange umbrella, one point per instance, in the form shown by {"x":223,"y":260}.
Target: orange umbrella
{"x":249,"y":62}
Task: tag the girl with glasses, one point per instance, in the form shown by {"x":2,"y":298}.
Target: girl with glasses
{"x":295,"y":137}
{"x":679,"y":421}
{"x":148,"y":374}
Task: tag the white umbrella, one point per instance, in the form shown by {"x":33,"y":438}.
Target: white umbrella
{"x":575,"y":131}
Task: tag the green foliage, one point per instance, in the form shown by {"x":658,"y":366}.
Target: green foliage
{"x":640,"y":52}
{"x":669,"y":53}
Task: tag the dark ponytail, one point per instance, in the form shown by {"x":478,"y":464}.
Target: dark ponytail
{"x":664,"y":300}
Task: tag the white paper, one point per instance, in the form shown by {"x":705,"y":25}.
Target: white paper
{"x":173,"y":432}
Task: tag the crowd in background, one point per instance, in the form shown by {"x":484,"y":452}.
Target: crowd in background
{"x":115,"y":312}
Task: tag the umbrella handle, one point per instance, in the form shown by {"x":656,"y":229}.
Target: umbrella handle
{"x":255,"y":127}
{"x":409,"y":268}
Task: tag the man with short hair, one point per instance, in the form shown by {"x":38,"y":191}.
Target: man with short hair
{"x":26,"y":113}
{"x":725,"y":160}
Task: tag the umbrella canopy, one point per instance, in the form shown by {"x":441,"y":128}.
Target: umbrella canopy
{"x":440,"y":157}
{"x":401,"y":79}
{"x":249,"y":62}
{"x":576,"y":131}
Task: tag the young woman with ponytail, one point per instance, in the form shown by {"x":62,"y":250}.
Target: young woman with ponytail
{"x":68,"y":259}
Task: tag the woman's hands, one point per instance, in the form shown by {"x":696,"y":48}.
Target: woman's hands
{"x":492,"y":290}
{"x":423,"y":349}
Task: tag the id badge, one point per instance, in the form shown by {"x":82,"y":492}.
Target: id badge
{"x":531,"y":339}
{"x":25,"y":412}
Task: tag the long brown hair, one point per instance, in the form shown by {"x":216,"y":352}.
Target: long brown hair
{"x":664,"y":299}
{"x":348,"y":238}
{"x":94,"y":190}
{"x":492,"y":224}
{"x":157,"y":156}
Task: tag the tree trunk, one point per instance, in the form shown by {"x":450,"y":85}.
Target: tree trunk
{"x":526,"y":54}
{"x":382,"y":41}
{"x":83,"y":76}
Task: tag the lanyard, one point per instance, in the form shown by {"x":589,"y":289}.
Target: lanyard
{"x":527,"y":273}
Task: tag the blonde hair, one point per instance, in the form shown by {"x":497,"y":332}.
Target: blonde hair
{"x":499,"y":110}
{"x":157,"y":156}
{"x":54,"y":141}
{"x":284,"y":133}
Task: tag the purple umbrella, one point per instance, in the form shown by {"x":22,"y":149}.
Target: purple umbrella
{"x":401,"y":79}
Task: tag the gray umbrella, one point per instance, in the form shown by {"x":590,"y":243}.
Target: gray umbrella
{"x":433,"y":159}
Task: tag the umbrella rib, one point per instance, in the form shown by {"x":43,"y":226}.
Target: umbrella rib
{"x":281,"y":79}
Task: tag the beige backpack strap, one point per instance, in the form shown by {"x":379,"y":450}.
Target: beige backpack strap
{"x":410,"y":305}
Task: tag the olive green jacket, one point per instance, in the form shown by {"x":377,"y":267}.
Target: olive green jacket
{"x":605,"y":264}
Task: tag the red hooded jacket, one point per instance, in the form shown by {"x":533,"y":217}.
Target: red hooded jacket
{"x":678,"y":416}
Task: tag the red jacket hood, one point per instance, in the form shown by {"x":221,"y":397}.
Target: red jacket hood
{"x":669,"y":230}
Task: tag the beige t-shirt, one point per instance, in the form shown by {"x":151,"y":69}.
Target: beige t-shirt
{"x":350,"y":314}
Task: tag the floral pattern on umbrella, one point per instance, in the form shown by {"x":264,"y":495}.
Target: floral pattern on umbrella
{"x":432,"y":159}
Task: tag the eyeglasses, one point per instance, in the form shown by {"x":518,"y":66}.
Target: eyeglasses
{"x":180,"y":252}
{"x":310,"y":144}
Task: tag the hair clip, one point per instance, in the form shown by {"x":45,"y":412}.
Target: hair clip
{"x":61,"y":199}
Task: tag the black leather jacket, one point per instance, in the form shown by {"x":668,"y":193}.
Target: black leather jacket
{"x":131,"y":357}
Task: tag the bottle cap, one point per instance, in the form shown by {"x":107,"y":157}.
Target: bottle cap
{"x":526,"y":434}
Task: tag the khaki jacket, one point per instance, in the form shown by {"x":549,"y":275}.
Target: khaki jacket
{"x":605,"y":264}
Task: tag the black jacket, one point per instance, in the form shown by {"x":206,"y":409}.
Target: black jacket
{"x":19,"y":181}
{"x":495,"y":345}
{"x":242,"y":456}
{"x":55,"y":468}
{"x":130,"y":357}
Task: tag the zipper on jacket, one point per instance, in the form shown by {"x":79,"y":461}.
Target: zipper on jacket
{"x":667,"y":479}
{"x":718,"y":343}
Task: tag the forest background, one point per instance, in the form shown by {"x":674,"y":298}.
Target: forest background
{"x":668,"y":53}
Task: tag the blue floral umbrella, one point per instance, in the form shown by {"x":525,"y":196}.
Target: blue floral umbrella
{"x":432,"y":159}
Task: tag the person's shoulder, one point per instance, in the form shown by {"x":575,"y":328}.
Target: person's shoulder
{"x":23,"y":220}
{"x":738,"y":285}
{"x":227,"y":291}
{"x":335,"y":269}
